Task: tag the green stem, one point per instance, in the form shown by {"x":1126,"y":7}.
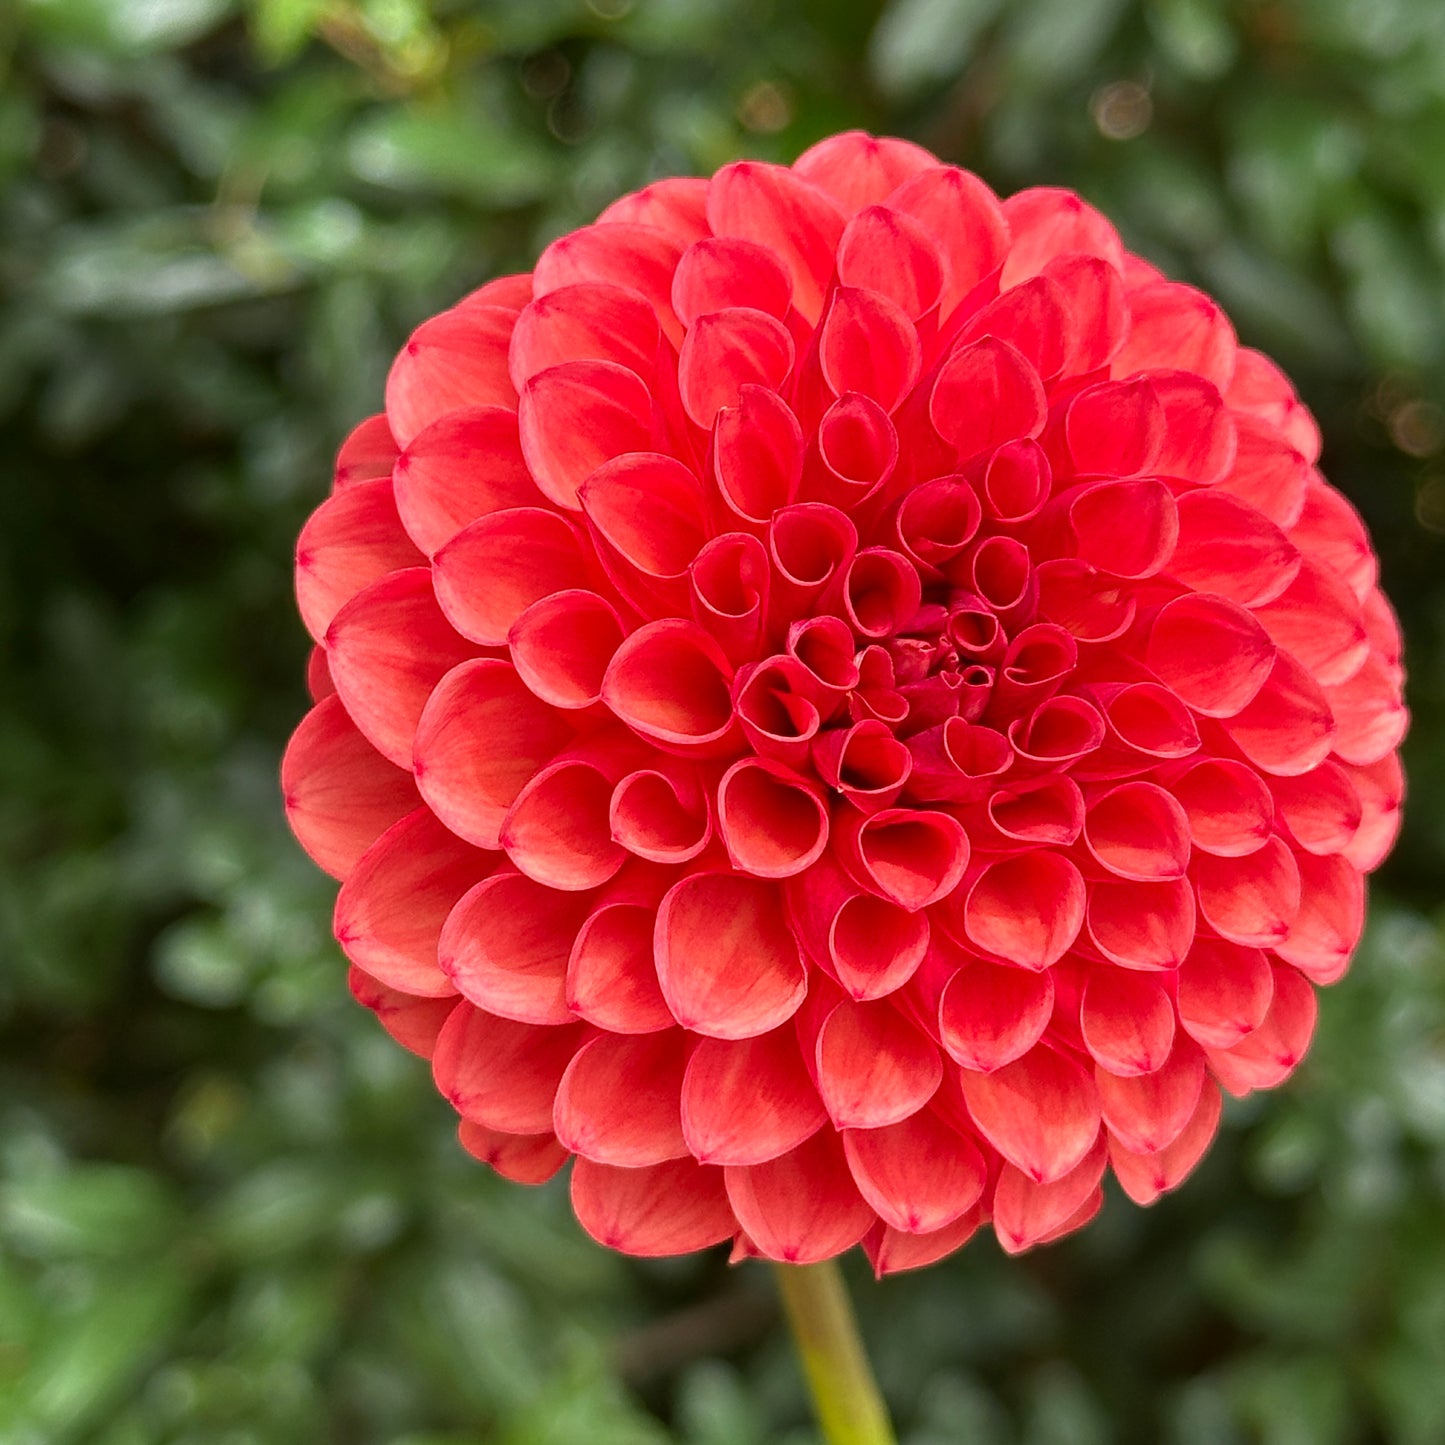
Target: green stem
{"x":845,"y":1395}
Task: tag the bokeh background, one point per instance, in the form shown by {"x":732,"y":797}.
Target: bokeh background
{"x":231,"y":1211}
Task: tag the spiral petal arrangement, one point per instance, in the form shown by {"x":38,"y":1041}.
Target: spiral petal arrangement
{"x":845,"y":705}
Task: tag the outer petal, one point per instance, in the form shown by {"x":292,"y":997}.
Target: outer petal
{"x":919,"y":1175}
{"x":662,"y":1209}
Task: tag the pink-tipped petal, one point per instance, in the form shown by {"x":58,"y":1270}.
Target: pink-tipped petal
{"x":1045,"y":222}
{"x":1040,"y":1112}
{"x":946,"y":201}
{"x":590,"y":321}
{"x":619,"y":1101}
{"x":387,"y":649}
{"x":1211,"y":652}
{"x":561,"y":646}
{"x":1250,"y":900}
{"x":856,"y":169}
{"x":1269,"y":1054}
{"x":1027,"y":909}
{"x":491,"y":572}
{"x":502,"y":1074}
{"x":637,"y":254}
{"x":1026,"y":1213}
{"x":919,"y":1175}
{"x":455,"y":360}
{"x":1127,"y":1021}
{"x":910,"y":857}
{"x":746,"y":1101}
{"x":661,"y":1209}
{"x":670,"y":683}
{"x":726,"y":351}
{"x":874,"y":1067}
{"x":1330,"y":919}
{"x":341,"y":795}
{"x":1173,"y":325}
{"x":757,"y":454}
{"x":867,"y":345}
{"x":1230,"y":811}
{"x":575,"y":416}
{"x":1144,"y":1177}
{"x":1148,"y":1112}
{"x":369,"y":451}
{"x":1126,"y":529}
{"x":390,"y":911}
{"x":522,"y":1158}
{"x":991,"y":1014}
{"x":611,"y":978}
{"x":1142,"y":925}
{"x":892,"y":1251}
{"x":465,"y":465}
{"x":481,"y":739}
{"x":885,"y":252}
{"x":1224,"y":993}
{"x":986,"y":394}
{"x":558,"y":829}
{"x":1227,"y":548}
{"x":1138,"y":831}
{"x":505,"y":947}
{"x":727,"y":961}
{"x":803,"y":1206}
{"x":413,"y":1022}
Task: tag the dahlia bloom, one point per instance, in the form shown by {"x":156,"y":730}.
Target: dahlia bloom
{"x":845,"y":705}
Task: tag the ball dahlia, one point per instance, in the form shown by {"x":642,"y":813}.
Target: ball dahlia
{"x":846,"y":705}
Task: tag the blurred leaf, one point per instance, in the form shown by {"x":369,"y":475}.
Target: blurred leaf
{"x":90,"y":1209}
{"x":125,"y":27}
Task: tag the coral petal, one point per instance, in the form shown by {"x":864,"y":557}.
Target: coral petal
{"x":1144,"y":1177}
{"x":919,"y":1175}
{"x":874,"y":1066}
{"x":1251,"y":900}
{"x":522,"y":1158}
{"x":990,"y":1014}
{"x":1026,"y":909}
{"x":1148,"y":1112}
{"x":619,"y":1101}
{"x":661,"y":1209}
{"x":1127,"y":1021}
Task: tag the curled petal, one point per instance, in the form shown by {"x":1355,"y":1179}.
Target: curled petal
{"x":881,"y":591}
{"x":745,"y":1101}
{"x":646,"y":513}
{"x":777,"y":708}
{"x":620,"y":1100}
{"x":453,"y":361}
{"x":661,"y":813}
{"x":575,"y":416}
{"x":772,"y":823}
{"x":856,"y":452}
{"x":1089,"y":604}
{"x":990,"y":1014}
{"x":1144,"y":1177}
{"x":1142,"y":925}
{"x":1048,"y":810}
{"x":1250,"y":900}
{"x":660,"y":1209}
{"x":937,"y":520}
{"x":1148,"y":1112}
{"x":1058,"y":732}
{"x":386,"y":650}
{"x":912,"y":858}
{"x":873,"y":1066}
{"x":810,"y":544}
{"x":1224,"y":992}
{"x":726,"y":958}
{"x":1027,"y":909}
{"x":803,"y":1206}
{"x":919,"y":1174}
{"x":757,"y":454}
{"x":465,"y":465}
{"x":864,"y":762}
{"x":1016,"y":482}
{"x":670,"y":683}
{"x":1127,"y":1021}
{"x":341,"y":795}
{"x":558,"y":829}
{"x":729,"y":592}
{"x":390,"y":911}
{"x":501,"y":1074}
{"x":561,"y":646}
{"x":1040,"y":1112}
{"x":1149,"y":719}
{"x":480,"y":740}
{"x":491,"y":572}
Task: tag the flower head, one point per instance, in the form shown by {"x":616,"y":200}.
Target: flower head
{"x":847,"y":706}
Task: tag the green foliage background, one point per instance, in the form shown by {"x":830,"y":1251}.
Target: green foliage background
{"x":231,"y":1212}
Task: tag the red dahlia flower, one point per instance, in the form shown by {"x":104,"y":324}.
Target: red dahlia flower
{"x":847,"y":706}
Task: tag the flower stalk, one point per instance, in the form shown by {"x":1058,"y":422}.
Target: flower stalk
{"x":846,"y":1399}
